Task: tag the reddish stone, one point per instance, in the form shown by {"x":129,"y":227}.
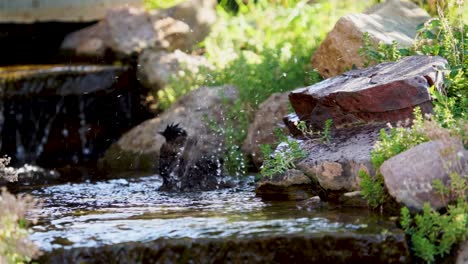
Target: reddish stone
{"x":387,"y":92}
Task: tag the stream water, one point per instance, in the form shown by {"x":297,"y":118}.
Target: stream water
{"x":91,"y":215}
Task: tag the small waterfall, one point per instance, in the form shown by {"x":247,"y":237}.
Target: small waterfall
{"x":57,"y":115}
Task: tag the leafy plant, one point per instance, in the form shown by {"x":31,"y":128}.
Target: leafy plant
{"x":324,"y":135}
{"x":373,"y":189}
{"x":284,"y":158}
{"x":397,"y":140}
{"x":434,"y":234}
{"x":158,"y":4}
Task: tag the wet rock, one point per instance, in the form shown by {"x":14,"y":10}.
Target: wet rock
{"x":192,"y":112}
{"x":267,"y":118}
{"x":353,"y":200}
{"x":7,"y":174}
{"x":387,"y":22}
{"x":335,"y":166}
{"x":291,"y":185}
{"x":156,"y":68}
{"x":66,"y":115}
{"x":340,"y":247}
{"x":387,"y":92}
{"x":30,"y":175}
{"x":409,"y":175}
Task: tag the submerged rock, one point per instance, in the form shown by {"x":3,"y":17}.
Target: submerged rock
{"x":391,"y":21}
{"x":387,"y":92}
{"x":139,"y":148}
{"x":340,"y":247}
{"x":409,"y":175}
{"x":291,"y":185}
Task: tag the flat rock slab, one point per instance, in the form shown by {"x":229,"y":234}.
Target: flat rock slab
{"x":346,"y":247}
{"x":292,"y":185}
{"x":335,"y":166}
{"x":387,"y":92}
{"x":60,"y":80}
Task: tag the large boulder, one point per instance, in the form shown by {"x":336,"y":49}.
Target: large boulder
{"x":409,"y":175}
{"x":139,"y":148}
{"x":129,"y":30}
{"x":23,"y":12}
{"x":387,"y":92}
{"x":199,"y":15}
{"x":156,"y":68}
{"x":262,"y":130}
{"x":391,"y":21}
{"x":123,"y":32}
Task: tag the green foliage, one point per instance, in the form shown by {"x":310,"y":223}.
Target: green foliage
{"x":397,"y":140}
{"x":324,"y":135}
{"x":434,"y":234}
{"x":373,"y":189}
{"x":158,"y":4}
{"x":284,"y":158}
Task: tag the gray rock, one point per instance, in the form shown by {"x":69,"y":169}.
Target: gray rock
{"x":409,"y":175}
{"x":141,"y":145}
{"x":291,"y":185}
{"x":58,"y":10}
{"x":129,"y":30}
{"x":156,"y":68}
{"x":462,"y":254}
{"x":387,"y":92}
{"x":262,"y":131}
{"x":335,"y":166}
{"x":199,"y":15}
{"x":90,"y":41}
{"x":391,"y":21}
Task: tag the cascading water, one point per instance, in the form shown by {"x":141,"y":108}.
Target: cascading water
{"x":60,"y":115}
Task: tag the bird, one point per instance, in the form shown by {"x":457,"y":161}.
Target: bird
{"x":183,"y":166}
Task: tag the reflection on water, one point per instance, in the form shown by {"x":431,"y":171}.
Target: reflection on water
{"x":92,"y":214}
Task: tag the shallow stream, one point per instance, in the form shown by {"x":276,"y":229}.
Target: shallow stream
{"x":90,"y":215}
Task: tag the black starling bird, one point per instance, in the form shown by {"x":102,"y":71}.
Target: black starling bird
{"x":184,"y":167}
